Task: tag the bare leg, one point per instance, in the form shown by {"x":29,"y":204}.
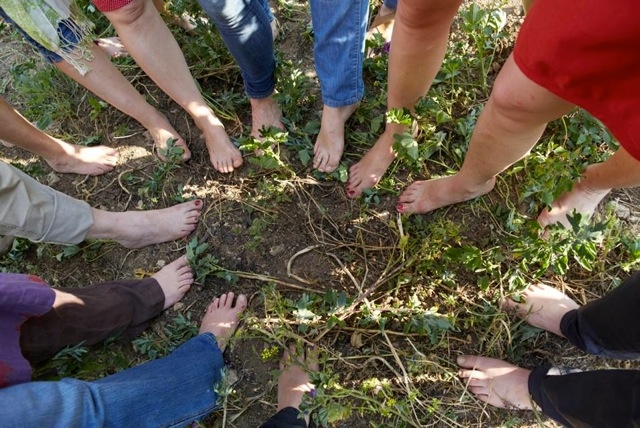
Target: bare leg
{"x":420,"y":36}
{"x":510,"y":125}
{"x":619,"y":171}
{"x":294,"y":382}
{"x":222,"y":317}
{"x":330,"y":143}
{"x":496,"y":382}
{"x":137,"y":229}
{"x":61,"y":156}
{"x":150,"y":43}
{"x":265,"y":113}
{"x":108,"y":83}
{"x":175,"y":280}
{"x":543,"y":307}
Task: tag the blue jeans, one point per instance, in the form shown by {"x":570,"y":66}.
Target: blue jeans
{"x":340,"y":27}
{"x":391,"y":4}
{"x":168,"y":392}
{"x":245,"y":28}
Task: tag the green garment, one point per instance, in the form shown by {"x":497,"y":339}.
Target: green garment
{"x":40,"y":20}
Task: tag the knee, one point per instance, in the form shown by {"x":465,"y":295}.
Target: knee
{"x":508,"y":100}
{"x":418,"y":14}
{"x":131,"y":12}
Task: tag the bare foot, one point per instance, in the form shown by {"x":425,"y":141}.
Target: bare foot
{"x":581,"y":199}
{"x":496,"y":382}
{"x":75,"y":159}
{"x":175,"y":279}
{"x":184,"y":21}
{"x":543,"y":307}
{"x":112,"y":47}
{"x":7,"y":144}
{"x":224,"y":156}
{"x":137,"y":229}
{"x":221,"y":318}
{"x":161,"y":134}
{"x":265,"y":113}
{"x":294,"y":381}
{"x":330,"y":142}
{"x":424,"y":196}
{"x":382,"y":23}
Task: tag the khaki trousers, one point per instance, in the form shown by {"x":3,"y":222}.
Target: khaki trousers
{"x":29,"y":209}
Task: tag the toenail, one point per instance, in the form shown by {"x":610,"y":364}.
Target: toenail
{"x":400,"y":207}
{"x":461,"y":360}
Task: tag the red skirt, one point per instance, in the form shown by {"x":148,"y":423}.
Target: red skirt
{"x":588,"y":53}
{"x":110,"y":5}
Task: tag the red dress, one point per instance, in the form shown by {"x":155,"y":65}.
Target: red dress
{"x":110,"y":5}
{"x":588,"y":53}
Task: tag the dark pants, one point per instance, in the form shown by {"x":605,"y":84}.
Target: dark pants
{"x":288,"y":417}
{"x":608,"y":327}
{"x":118,"y":307}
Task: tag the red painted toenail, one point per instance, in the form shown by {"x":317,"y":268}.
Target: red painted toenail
{"x":400,"y":207}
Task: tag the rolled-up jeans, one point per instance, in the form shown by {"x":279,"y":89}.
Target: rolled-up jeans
{"x":339,"y":27}
{"x":245,"y":28}
{"x":173,"y":391}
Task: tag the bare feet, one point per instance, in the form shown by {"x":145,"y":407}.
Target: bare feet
{"x":184,"y":21}
{"x":175,"y":279}
{"x":137,"y":229}
{"x":161,"y":133}
{"x":294,"y":382}
{"x":424,"y":196}
{"x":368,"y":172}
{"x":221,"y":317}
{"x":265,"y":113}
{"x":543,"y":307}
{"x":224,"y":156}
{"x":581,"y":199}
{"x":112,"y":47}
{"x":330,"y":143}
{"x":74,"y":159}
{"x":496,"y":382}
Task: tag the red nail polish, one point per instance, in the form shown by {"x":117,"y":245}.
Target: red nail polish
{"x":400,"y":207}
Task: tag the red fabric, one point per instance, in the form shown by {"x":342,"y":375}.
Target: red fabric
{"x":110,"y":5}
{"x":588,"y":53}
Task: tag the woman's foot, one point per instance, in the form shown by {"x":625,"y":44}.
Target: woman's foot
{"x":222,"y":316}
{"x":422,"y":197}
{"x":496,"y":382}
{"x":161,"y":133}
{"x":294,"y":381}
{"x":265,"y":113}
{"x":543,"y":307}
{"x":74,"y":159}
{"x":112,"y":47}
{"x":224,"y":156}
{"x":137,"y":229}
{"x":580,"y":199}
{"x":330,"y":142}
{"x":175,"y":280}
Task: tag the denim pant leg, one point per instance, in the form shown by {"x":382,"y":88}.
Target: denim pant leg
{"x":245,"y":28}
{"x":391,"y":4}
{"x":599,"y":398}
{"x":608,"y":326}
{"x":168,"y":392}
{"x":340,"y":27}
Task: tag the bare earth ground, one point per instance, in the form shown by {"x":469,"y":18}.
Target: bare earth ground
{"x":255,"y":231}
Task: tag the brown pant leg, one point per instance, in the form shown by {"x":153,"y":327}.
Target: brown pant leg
{"x":124,"y":306}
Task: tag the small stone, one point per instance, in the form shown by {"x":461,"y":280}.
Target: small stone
{"x":178,"y":306}
{"x":622,"y":211}
{"x":274,"y":251}
{"x":161,"y":263}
